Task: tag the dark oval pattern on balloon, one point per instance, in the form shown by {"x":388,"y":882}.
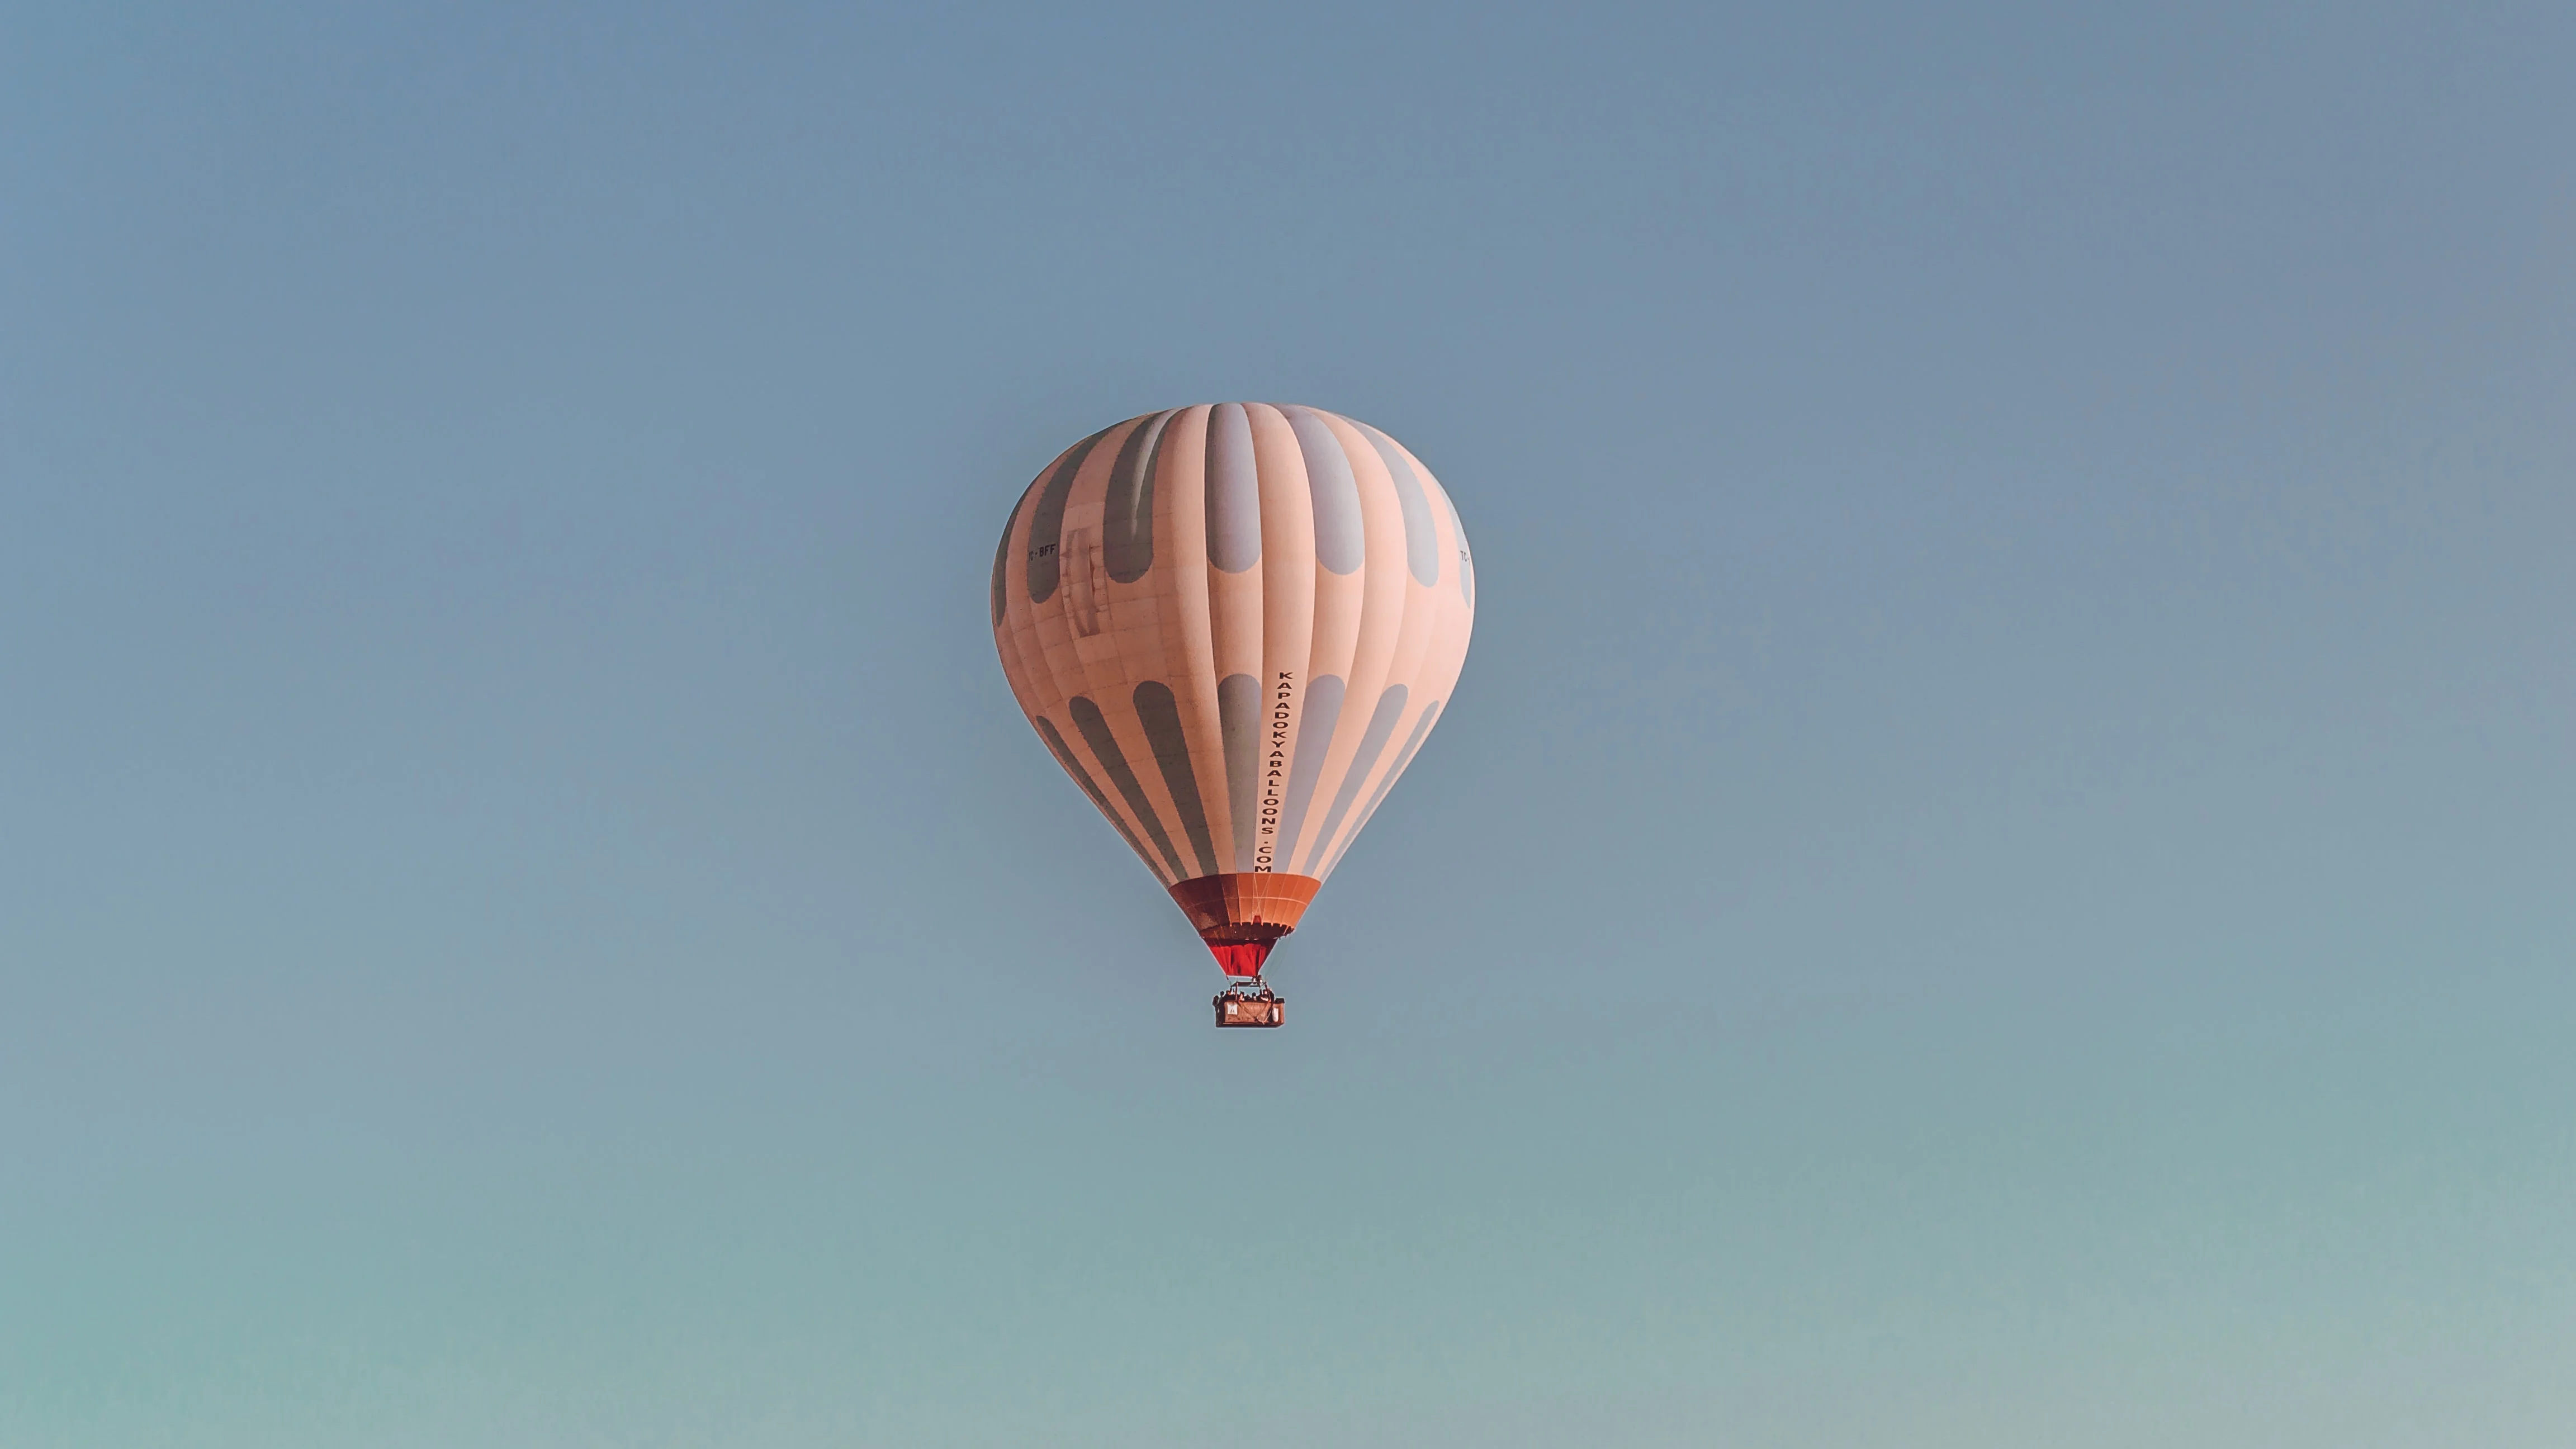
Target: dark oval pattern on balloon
{"x":1390,"y":708}
{"x":1238,"y":712}
{"x":1046,"y":524}
{"x":1341,"y":541}
{"x":1421,"y":539}
{"x":1368,"y":812}
{"x":1160,"y":714}
{"x":1127,"y":529}
{"x":1001,"y":563}
{"x":1002,"y":557}
{"x":1113,"y":760}
{"x":1466,"y":556}
{"x":1233,"y":490}
{"x":1073,"y":766}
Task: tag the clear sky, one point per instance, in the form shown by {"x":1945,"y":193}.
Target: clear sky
{"x":2003,"y":870}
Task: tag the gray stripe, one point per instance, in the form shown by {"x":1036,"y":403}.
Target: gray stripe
{"x":1466,"y":562}
{"x":1001,"y":561}
{"x":1104,"y":747}
{"x":1082,"y":777}
{"x":1314,"y":738}
{"x":1002,"y":556}
{"x":1412,"y":742}
{"x":1390,"y":707}
{"x":1238,"y":713}
{"x":1340,"y":539}
{"x":1127,"y":530}
{"x":1046,"y":525}
{"x":1161,"y":716}
{"x":1233,"y":490}
{"x":1421,"y":540}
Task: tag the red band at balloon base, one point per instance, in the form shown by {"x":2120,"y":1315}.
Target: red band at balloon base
{"x":1240,"y":958}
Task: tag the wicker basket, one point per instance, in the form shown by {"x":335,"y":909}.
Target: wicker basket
{"x":1233,"y":1009}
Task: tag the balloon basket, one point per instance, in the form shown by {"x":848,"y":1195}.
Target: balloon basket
{"x":1250,"y":1003}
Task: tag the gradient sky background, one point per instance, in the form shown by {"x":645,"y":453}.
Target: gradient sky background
{"x":2000,"y":872}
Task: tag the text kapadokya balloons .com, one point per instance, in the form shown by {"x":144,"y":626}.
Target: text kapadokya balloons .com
{"x":1234,"y":624}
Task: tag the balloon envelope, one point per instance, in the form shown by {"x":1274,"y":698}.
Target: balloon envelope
{"x":1233,"y":625}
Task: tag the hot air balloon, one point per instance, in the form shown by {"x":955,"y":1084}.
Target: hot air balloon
{"x":1233,"y":625}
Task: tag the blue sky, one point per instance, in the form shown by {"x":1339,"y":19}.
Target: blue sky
{"x":1999,"y":873}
